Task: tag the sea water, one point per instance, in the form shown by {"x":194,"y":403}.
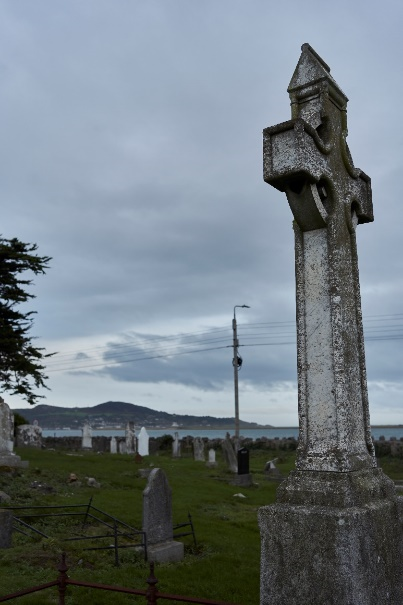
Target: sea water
{"x":271,"y":433}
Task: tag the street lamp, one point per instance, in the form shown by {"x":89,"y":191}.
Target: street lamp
{"x":236,"y":362}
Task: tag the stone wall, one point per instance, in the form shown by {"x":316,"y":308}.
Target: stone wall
{"x":393,"y":447}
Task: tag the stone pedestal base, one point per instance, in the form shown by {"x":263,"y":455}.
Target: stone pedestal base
{"x":244,"y":480}
{"x":324,"y":555}
{"x":166,"y":552}
{"x":12,"y":461}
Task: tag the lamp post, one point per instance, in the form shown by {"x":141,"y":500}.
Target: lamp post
{"x":236,"y":362}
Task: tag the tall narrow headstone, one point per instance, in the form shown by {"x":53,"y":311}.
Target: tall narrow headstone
{"x":143,"y":442}
{"x":114,"y":445}
{"x":6,"y":428}
{"x":157,"y":519}
{"x":86,"y":439}
{"x":229,"y":454}
{"x":334,"y":535}
{"x":176,"y":446}
{"x":7,"y":456}
{"x":130,"y":435}
{"x":198,"y":449}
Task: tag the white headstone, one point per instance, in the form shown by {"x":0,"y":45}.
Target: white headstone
{"x":143,"y":442}
{"x":114,"y":445}
{"x":211,"y":458}
{"x":86,"y":440}
{"x":176,"y":446}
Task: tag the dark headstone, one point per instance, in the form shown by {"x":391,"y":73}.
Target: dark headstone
{"x":243,"y":461}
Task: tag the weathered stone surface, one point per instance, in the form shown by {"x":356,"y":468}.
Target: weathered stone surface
{"x":335,"y":535}
{"x":29,"y":435}
{"x":7,"y":457}
{"x":308,"y":158}
{"x":229,"y":454}
{"x":157,"y":519}
{"x":315,"y":555}
{"x":6,"y":428}
{"x":198,"y":449}
{"x":130,"y":436}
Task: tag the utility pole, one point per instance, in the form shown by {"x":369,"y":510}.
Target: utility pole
{"x":236,"y":362}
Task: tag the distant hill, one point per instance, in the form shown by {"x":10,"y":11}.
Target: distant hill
{"x":116,"y":414}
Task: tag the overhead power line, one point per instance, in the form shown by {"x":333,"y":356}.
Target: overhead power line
{"x":147,"y":347}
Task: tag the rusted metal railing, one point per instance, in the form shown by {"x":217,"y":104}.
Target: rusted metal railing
{"x":151,"y":594}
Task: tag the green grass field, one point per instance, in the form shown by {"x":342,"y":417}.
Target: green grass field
{"x":224,"y":565}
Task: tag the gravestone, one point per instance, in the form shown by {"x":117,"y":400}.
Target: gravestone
{"x":86,"y":438}
{"x":114,"y":445}
{"x":176,"y":446}
{"x":130,"y":436}
{"x":157,"y":520}
{"x":243,"y":477}
{"x":211,"y":462}
{"x":229,"y":454}
{"x":122,"y":447}
{"x":243,"y":461}
{"x":198,"y":449}
{"x":272,"y":472}
{"x":143,"y":442}
{"x":334,"y":536}
{"x":7,"y":456}
{"x":29,"y":435}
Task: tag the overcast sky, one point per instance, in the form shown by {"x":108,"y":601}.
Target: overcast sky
{"x":131,"y":153}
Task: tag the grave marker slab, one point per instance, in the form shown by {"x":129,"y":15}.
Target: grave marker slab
{"x":176,"y":446}
{"x":86,"y":439}
{"x":143,"y":442}
{"x":157,"y":519}
{"x":198,"y":449}
{"x":114,"y":445}
{"x":229,"y":454}
{"x":130,"y":436}
{"x":7,"y":456}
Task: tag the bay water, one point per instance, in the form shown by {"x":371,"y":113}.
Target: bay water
{"x":271,"y":433}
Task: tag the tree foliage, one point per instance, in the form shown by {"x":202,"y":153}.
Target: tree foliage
{"x":21,"y":363}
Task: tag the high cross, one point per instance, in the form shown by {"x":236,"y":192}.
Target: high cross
{"x":308,"y":159}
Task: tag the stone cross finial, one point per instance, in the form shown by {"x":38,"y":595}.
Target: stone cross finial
{"x":308,"y":159}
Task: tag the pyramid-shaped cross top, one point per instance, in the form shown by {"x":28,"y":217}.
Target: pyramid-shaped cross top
{"x":308,"y":157}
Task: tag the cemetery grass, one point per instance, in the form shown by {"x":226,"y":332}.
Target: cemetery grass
{"x":223,"y":566}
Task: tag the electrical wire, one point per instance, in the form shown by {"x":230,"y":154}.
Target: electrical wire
{"x":152,"y":347}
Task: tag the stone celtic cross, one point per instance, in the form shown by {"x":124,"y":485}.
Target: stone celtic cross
{"x":308,"y":159}
{"x":334,"y":534}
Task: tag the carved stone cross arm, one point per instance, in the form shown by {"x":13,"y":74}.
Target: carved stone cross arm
{"x":308,"y":159}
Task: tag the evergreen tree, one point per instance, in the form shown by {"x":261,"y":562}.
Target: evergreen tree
{"x":21,"y":363}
